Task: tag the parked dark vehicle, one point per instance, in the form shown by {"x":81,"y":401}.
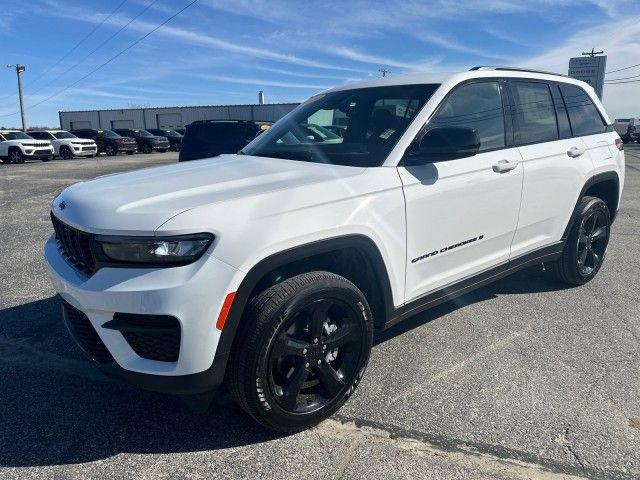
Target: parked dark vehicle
{"x":147,"y":142}
{"x":180,"y":130}
{"x":209,"y":138}
{"x":175,"y":138}
{"x":108,"y":141}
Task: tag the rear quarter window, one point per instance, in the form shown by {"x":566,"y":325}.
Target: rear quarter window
{"x":583,"y":114}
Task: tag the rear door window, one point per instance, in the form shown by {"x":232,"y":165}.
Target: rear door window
{"x":583,"y":114}
{"x":535,"y":115}
{"x":477,"y":106}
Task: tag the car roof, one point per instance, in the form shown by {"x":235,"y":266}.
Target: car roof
{"x":457,"y":77}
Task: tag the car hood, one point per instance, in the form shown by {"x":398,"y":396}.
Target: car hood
{"x":142,"y":200}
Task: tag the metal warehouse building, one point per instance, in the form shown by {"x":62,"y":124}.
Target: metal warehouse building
{"x":171,"y":117}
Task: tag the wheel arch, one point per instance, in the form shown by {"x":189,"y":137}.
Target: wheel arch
{"x":603,"y":185}
{"x":312,"y":255}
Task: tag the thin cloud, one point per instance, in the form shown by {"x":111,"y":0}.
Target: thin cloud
{"x":259,"y":82}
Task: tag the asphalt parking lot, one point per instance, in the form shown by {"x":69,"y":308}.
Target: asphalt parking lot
{"x":521,"y":379}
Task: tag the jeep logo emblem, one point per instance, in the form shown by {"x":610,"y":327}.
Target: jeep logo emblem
{"x":62,"y":205}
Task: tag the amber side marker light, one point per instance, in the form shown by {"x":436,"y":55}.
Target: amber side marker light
{"x":224,"y":311}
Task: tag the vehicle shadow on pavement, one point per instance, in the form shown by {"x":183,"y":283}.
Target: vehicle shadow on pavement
{"x":58,"y":409}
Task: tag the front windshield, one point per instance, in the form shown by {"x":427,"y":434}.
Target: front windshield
{"x":109,"y":134}
{"x":171,"y":133}
{"x":16,"y":136}
{"x":144,"y":133}
{"x":373,"y":120}
{"x":61,"y":135}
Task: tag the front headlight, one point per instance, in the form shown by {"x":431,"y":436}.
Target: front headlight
{"x":153,"y":251}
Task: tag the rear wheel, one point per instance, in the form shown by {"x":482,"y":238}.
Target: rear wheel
{"x":305,"y":347}
{"x":66,"y":153}
{"x":586,"y":246}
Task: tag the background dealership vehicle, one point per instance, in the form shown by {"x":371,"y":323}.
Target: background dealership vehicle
{"x":270,"y":269}
{"x":627,"y":128}
{"x":175,"y":138}
{"x":65,"y":144}
{"x":109,"y":141}
{"x":147,"y":142}
{"x":209,"y":138}
{"x":17,"y":146}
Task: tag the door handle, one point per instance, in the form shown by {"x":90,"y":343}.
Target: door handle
{"x":504,"y":166}
{"x":575,"y":152}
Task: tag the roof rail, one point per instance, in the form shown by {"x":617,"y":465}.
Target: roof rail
{"x":516,"y":69}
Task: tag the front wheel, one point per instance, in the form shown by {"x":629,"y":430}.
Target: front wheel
{"x":586,"y":246}
{"x":110,"y":150}
{"x":16,"y":156}
{"x":304,"y":347}
{"x":66,"y":153}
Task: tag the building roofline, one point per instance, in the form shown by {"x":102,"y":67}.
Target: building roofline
{"x":177,"y":106}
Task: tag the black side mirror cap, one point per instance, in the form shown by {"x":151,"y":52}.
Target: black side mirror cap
{"x":442,"y":144}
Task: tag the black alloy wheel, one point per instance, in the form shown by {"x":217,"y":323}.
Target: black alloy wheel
{"x":146,"y":148}
{"x":585,"y":249}
{"x":592,"y":241}
{"x":110,"y":150}
{"x":304,"y":347}
{"x":315,"y":355}
{"x":66,"y":153}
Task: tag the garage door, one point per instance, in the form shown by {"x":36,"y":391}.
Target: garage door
{"x":169,"y":120}
{"x":80,"y":125}
{"x":121,"y":123}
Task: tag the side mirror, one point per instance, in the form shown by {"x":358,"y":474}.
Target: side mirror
{"x":444,"y":143}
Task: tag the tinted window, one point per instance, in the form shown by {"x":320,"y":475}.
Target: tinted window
{"x":583,"y":114}
{"x":17,"y":136}
{"x":564,"y":129}
{"x":40,"y":135}
{"x":108,"y":134}
{"x":203,"y":140}
{"x":477,"y":106}
{"x":534,"y":112}
{"x":62,"y":134}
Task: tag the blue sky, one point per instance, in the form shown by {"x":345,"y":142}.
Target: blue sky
{"x":223,"y":52}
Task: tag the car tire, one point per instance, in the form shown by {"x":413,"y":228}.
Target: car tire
{"x":146,"y":149}
{"x":164,"y":150}
{"x":66,"y":153}
{"x":278,"y":374}
{"x":16,"y":156}
{"x":586,"y":246}
{"x":130,"y":152}
{"x":110,"y":150}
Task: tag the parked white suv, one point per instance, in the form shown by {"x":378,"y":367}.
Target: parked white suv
{"x":66,"y":145}
{"x":270,"y":269}
{"x":17,"y":146}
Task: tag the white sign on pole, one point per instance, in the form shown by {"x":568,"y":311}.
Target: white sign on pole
{"x":590,"y":70}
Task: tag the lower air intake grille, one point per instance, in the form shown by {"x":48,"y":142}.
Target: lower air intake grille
{"x":84,"y":334}
{"x":154,"y":337}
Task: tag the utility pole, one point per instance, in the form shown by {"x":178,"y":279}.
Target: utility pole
{"x":592,"y":53}
{"x":19,"y":69}
{"x":384,"y":71}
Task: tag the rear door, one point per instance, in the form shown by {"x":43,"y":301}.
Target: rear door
{"x":462,"y":214}
{"x":555,"y":165}
{"x":587,"y":123}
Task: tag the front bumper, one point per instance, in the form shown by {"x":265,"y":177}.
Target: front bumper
{"x":160,"y":146}
{"x":193,"y":294}
{"x":39,"y":155}
{"x":85,"y":150}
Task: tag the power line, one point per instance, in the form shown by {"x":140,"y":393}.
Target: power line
{"x":622,"y":78}
{"x":625,"y":68}
{"x":73,"y":49}
{"x":619,"y":83}
{"x":130,"y":46}
{"x":97,"y":48}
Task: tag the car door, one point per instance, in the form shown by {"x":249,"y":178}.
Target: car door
{"x":462,"y":214}
{"x":555,"y":164}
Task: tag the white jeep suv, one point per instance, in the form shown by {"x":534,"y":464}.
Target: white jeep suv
{"x":17,"y":146}
{"x":66,"y":145}
{"x":270,"y":269}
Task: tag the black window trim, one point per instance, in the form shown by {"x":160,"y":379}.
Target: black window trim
{"x":608,"y":127}
{"x":506,"y":114}
{"x":510,"y":83}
